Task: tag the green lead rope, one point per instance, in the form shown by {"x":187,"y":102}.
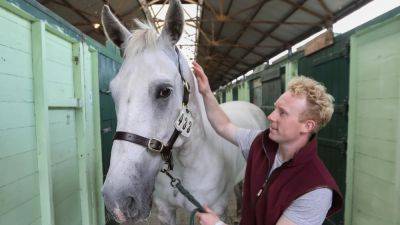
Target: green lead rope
{"x":176,"y":183}
{"x":191,"y":198}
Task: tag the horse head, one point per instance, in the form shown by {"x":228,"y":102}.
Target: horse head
{"x":148,"y":93}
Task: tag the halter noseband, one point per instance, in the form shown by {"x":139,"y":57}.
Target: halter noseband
{"x":182,"y":125}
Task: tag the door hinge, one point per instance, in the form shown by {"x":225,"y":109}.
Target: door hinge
{"x":76,"y":60}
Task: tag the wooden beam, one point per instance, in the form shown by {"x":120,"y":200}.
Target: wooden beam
{"x":276,"y":26}
{"x":305,"y":9}
{"x":73,"y":8}
{"x":97,"y":136}
{"x":241,"y":32}
{"x":42,"y":123}
{"x":238,"y":21}
{"x":326,"y":9}
{"x":81,"y":134}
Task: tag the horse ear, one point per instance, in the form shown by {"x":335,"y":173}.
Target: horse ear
{"x":113,"y":28}
{"x":174,"y":21}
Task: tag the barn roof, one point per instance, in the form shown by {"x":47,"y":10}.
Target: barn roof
{"x":234,"y":36}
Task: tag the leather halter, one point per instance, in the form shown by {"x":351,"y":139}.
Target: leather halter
{"x":153,"y":144}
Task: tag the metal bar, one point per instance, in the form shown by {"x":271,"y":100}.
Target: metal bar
{"x":234,"y":20}
{"x":207,"y":4}
{"x":305,"y":9}
{"x":325,"y":7}
{"x":68,"y":7}
{"x":244,"y":27}
{"x":77,"y":11}
{"x":273,"y":28}
{"x":246,"y":9}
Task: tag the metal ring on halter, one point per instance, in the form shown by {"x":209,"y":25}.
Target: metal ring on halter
{"x":175,"y":182}
{"x":155,"y":145}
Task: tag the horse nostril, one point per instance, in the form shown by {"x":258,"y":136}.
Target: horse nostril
{"x":130,"y":203}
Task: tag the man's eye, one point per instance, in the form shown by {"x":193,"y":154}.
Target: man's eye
{"x":164,"y":93}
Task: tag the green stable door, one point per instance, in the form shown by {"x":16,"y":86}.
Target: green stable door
{"x":330,"y":66}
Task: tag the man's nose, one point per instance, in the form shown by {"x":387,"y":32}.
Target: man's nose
{"x":271,"y":116}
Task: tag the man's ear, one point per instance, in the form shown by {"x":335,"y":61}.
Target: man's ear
{"x":309,"y":126}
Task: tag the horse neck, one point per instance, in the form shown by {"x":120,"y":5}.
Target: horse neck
{"x":196,"y":145}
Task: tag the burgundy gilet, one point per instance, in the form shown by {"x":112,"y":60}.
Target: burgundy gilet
{"x":265,"y":202}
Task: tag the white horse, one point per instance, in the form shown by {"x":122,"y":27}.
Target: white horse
{"x":147,"y":93}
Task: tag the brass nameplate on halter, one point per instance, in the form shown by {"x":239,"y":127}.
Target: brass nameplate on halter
{"x":184,"y":122}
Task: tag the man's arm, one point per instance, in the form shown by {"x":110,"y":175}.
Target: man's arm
{"x":284,"y":221}
{"x":217,"y":117}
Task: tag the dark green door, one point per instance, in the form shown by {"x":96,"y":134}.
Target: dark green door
{"x":235,"y":93}
{"x":108,"y":68}
{"x":255,"y":89}
{"x":273,"y":85}
{"x":331,"y":67}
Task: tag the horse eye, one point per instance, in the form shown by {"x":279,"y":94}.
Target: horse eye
{"x":164,"y":93}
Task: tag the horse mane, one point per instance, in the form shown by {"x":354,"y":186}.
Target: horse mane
{"x":144,"y":37}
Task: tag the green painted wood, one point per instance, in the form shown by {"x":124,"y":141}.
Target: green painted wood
{"x":64,"y":103}
{"x":30,"y":211}
{"x":100,"y":217}
{"x":14,"y":69}
{"x":21,"y":30}
{"x":17,"y":11}
{"x":15,"y":63}
{"x":13,"y":18}
{"x":229,"y":94}
{"x":26,"y":159}
{"x":16,"y":141}
{"x":65,"y":180}
{"x":81,"y":134}
{"x":15,"y":89}
{"x":73,"y":215}
{"x":63,"y":150}
{"x":374,"y":141}
{"x":42,"y":126}
{"x":63,"y":74}
{"x":369,"y":145}
{"x":18,"y":193}
{"x":61,"y":132}
{"x":58,"y":90}
{"x":21,"y":110}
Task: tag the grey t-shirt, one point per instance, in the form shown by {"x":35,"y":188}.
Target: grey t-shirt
{"x":310,"y":208}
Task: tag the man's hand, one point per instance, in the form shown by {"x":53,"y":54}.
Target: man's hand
{"x":202,"y":80}
{"x":207,"y":218}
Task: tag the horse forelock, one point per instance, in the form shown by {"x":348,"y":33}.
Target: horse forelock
{"x":145,"y":37}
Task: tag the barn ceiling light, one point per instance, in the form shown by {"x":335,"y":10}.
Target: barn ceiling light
{"x":96,"y":25}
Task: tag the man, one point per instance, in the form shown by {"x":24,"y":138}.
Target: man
{"x":285,"y":182}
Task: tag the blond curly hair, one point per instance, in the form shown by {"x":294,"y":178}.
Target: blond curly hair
{"x":320,"y":103}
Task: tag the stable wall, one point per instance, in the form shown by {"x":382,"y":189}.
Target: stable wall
{"x":373,"y":162}
{"x":50,"y":154}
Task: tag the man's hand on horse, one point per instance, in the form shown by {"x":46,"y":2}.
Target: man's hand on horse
{"x":202,"y":80}
{"x":207,"y":218}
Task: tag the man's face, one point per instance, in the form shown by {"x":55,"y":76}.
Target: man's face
{"x":284,"y":121}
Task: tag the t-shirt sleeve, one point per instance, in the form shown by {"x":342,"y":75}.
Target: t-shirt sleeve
{"x":310,"y":208}
{"x":244,"y":138}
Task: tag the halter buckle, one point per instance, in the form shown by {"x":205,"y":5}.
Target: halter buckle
{"x":186,"y":85}
{"x":155,"y":145}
